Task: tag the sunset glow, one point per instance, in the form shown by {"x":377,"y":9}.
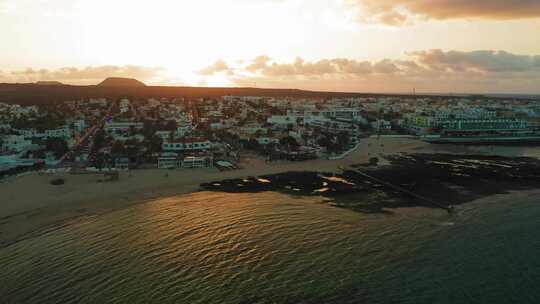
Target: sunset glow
{"x":178,"y":39}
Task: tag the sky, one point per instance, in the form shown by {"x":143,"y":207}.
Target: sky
{"x":445,"y":46}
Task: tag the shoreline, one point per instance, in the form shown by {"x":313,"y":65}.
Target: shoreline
{"x":33,"y":206}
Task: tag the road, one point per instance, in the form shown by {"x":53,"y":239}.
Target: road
{"x":99,"y":124}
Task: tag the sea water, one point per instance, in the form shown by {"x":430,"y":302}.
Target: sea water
{"x":275,"y":248}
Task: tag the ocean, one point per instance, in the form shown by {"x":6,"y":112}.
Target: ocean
{"x":268,"y":247}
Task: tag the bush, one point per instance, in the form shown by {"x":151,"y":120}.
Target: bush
{"x":374,"y":161}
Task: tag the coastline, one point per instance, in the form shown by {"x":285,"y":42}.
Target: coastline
{"x":33,"y":206}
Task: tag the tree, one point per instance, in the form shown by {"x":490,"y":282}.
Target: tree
{"x":365,"y":127}
{"x":57,"y":145}
{"x":252,"y":144}
{"x":39,"y":154}
{"x":374,"y":161}
{"x":132,"y":152}
{"x":289,"y":141}
{"x":171,"y":125}
{"x":328,"y":144}
{"x":343,"y":140}
{"x":324,"y":142}
{"x":100,"y":161}
{"x":155,"y":144}
{"x":149,"y":128}
{"x":99,"y":140}
{"x":118,"y":148}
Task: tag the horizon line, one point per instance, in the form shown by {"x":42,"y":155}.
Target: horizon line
{"x":416,"y":93}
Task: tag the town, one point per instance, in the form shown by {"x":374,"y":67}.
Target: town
{"x":100,"y":134}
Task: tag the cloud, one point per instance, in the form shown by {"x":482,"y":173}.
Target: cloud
{"x":478,"y":71}
{"x":87,"y":75}
{"x":301,"y":68}
{"x":399,"y":12}
{"x":258,"y":63}
{"x":220,"y":66}
{"x":350,"y":66}
{"x":486,"y":61}
{"x":433,"y":70}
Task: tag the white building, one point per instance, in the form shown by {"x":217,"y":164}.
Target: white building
{"x":253,"y":129}
{"x":334,"y":126}
{"x":342,"y":113}
{"x":64,"y":133}
{"x":217,"y":126}
{"x":196,"y":162}
{"x":189,"y":145}
{"x":17,"y":143}
{"x":164,"y":135}
{"x":168,"y":160}
{"x":184,"y":129}
{"x":284,"y":121}
{"x":5,"y":127}
{"x":121,"y":163}
{"x":381,"y":124}
{"x":123,"y":126}
{"x":79,"y":125}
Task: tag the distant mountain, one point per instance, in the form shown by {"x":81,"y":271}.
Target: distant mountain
{"x":121,"y":82}
{"x":31,"y":93}
{"x":49,"y":83}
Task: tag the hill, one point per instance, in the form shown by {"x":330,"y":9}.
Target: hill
{"x":121,"y":82}
{"x":30,"y":94}
{"x":49,"y":83}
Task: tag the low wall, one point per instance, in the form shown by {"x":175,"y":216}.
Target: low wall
{"x":344,"y":154}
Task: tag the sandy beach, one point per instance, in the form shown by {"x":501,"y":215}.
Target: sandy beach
{"x":30,"y":205}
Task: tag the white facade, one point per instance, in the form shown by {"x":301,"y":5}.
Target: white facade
{"x":187,"y":146}
{"x":121,"y":163}
{"x":195,"y":162}
{"x":284,"y":120}
{"x":64,"y":133}
{"x":184,"y":129}
{"x":217,"y":126}
{"x":343,"y":113}
{"x":123,"y":126}
{"x":16,"y":143}
{"x":58,"y":133}
{"x":253,"y":129}
{"x":79,"y":125}
{"x":381,"y":124}
{"x":122,"y":138}
{"x":334,"y":126}
{"x":165,"y":135}
{"x":168,"y":161}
